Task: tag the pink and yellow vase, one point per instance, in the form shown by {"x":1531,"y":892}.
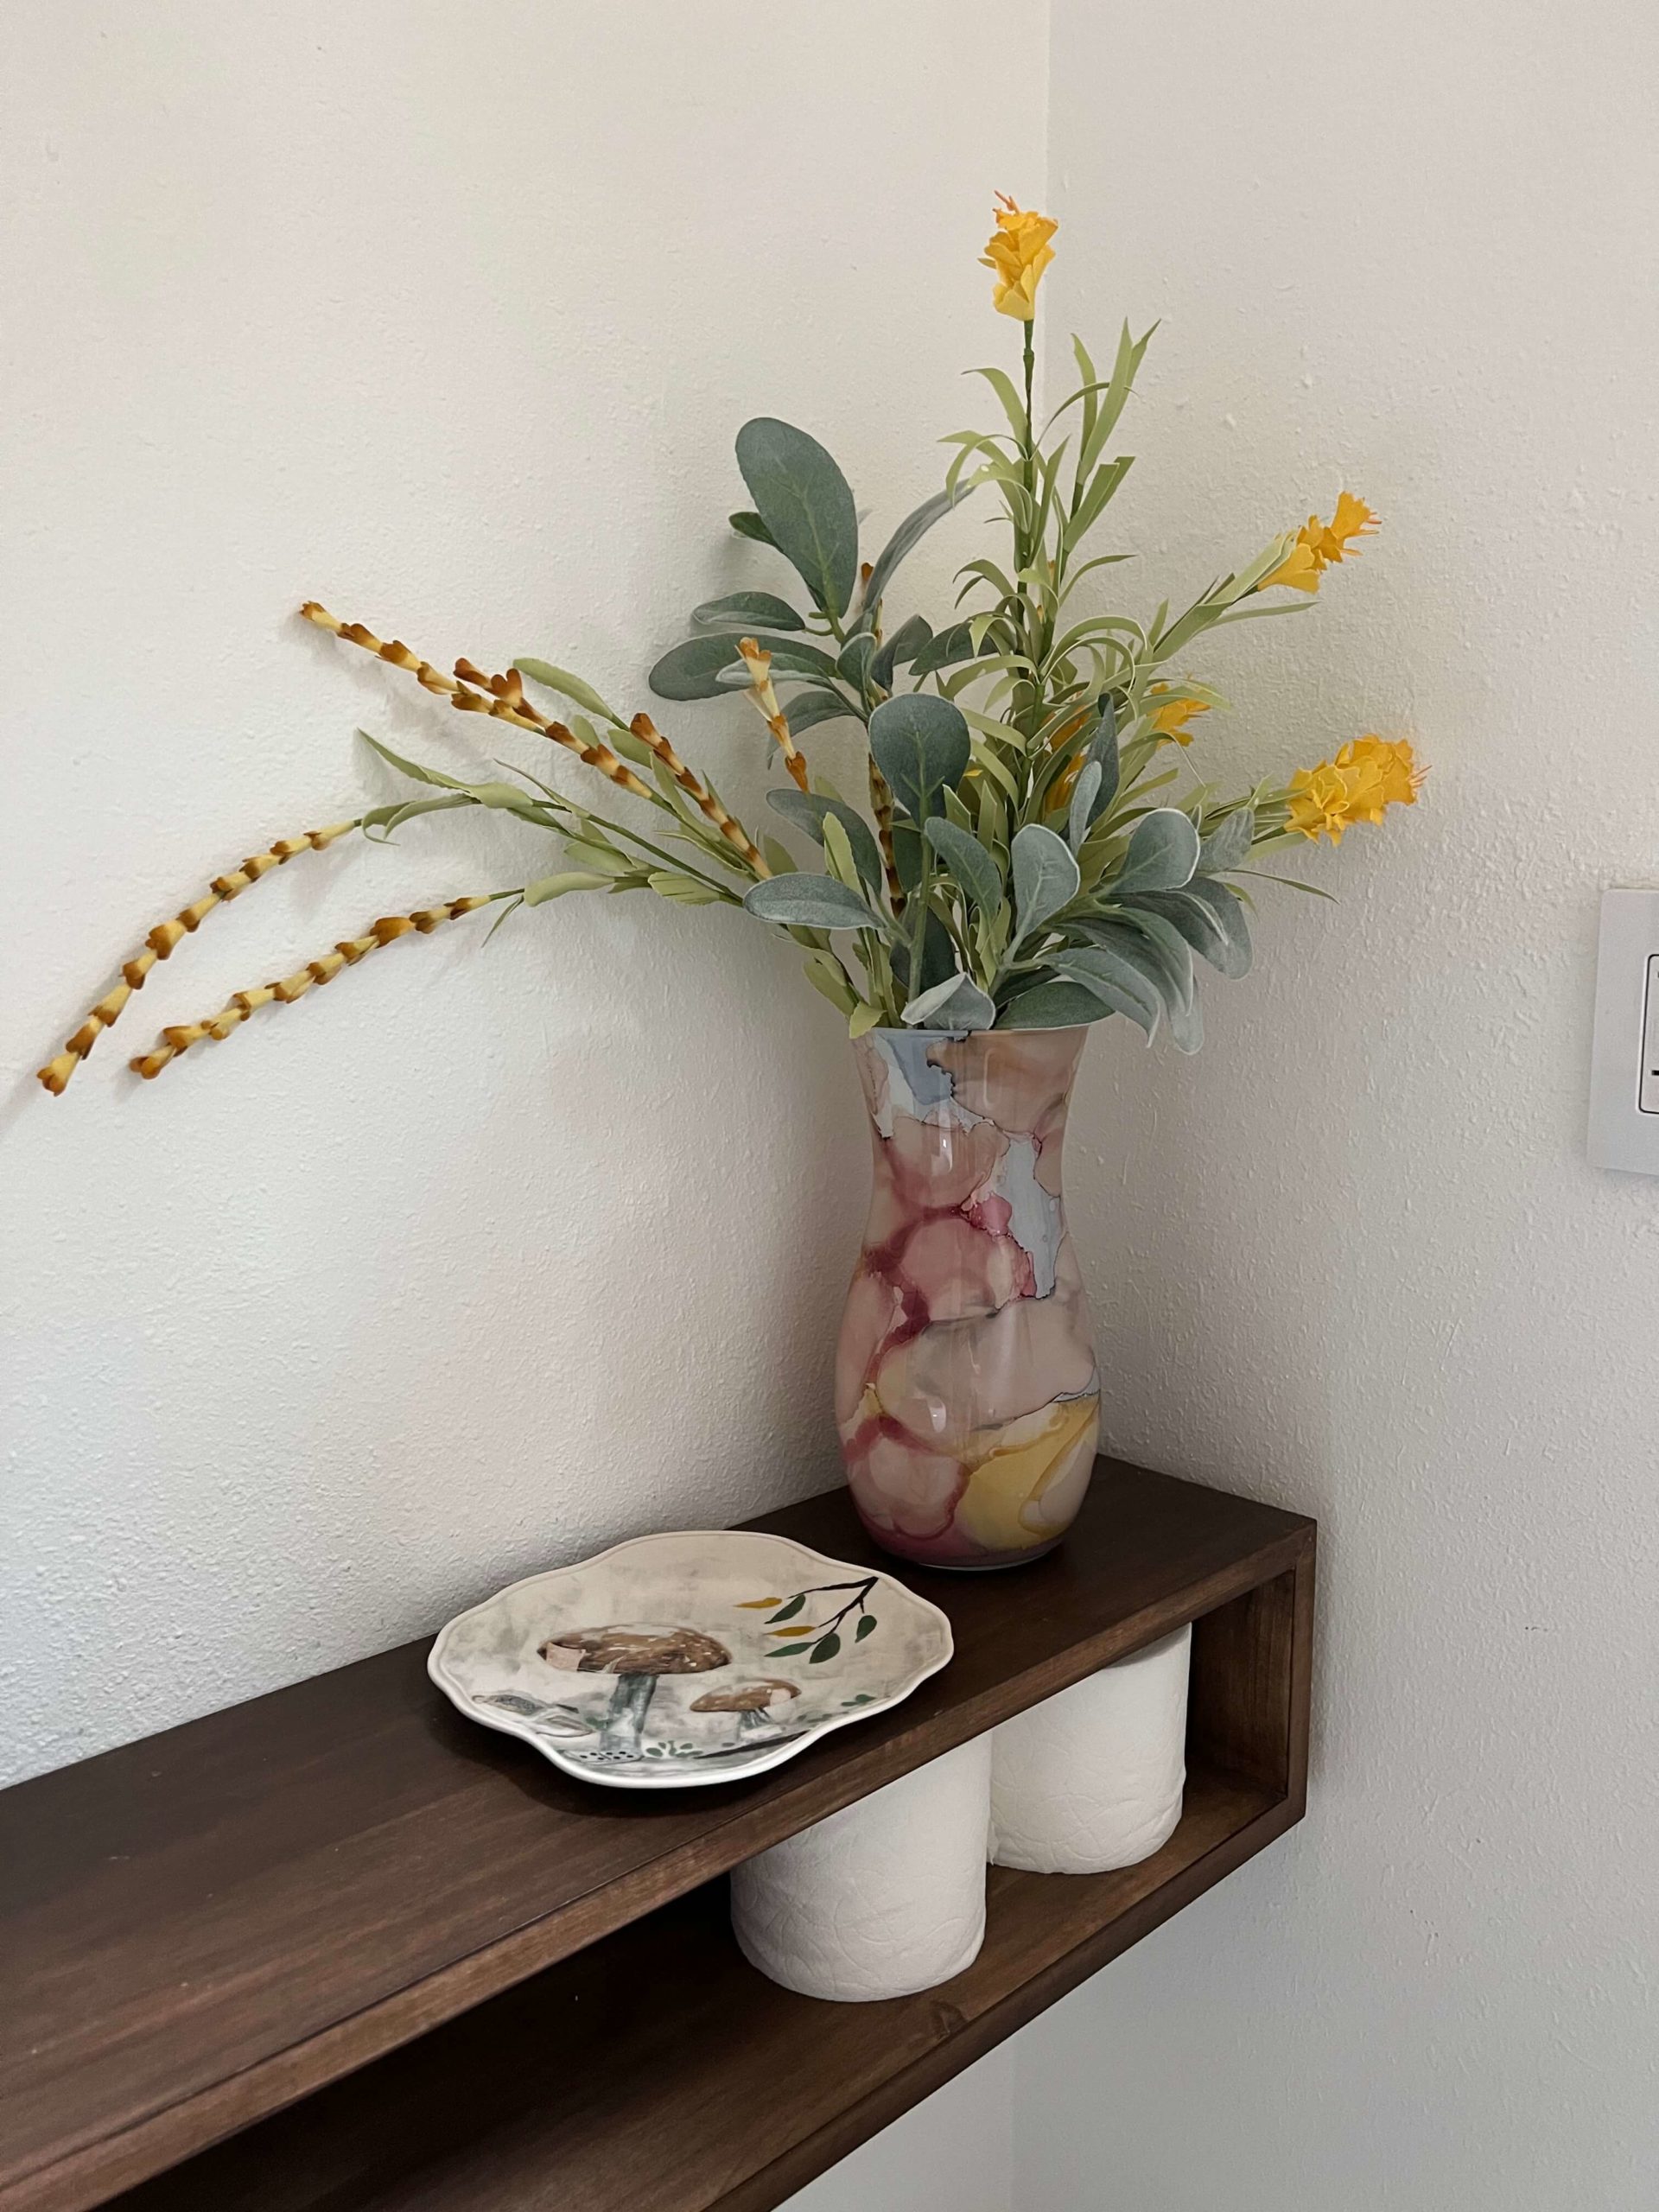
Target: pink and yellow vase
{"x":966,"y":1392}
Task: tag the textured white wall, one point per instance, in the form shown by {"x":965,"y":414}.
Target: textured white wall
{"x":1351,"y":1257}
{"x":448,"y":317}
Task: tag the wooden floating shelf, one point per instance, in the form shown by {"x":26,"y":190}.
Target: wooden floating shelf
{"x":492,"y":1987}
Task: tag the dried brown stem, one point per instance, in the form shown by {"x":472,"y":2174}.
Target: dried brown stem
{"x":502,"y":696}
{"x":161,"y":939}
{"x":346,"y":954}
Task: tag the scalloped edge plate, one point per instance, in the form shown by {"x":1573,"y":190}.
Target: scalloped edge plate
{"x":754,"y":1647}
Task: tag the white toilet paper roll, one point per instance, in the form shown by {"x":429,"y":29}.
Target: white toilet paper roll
{"x":1092,"y":1778}
{"x":883,"y":1898}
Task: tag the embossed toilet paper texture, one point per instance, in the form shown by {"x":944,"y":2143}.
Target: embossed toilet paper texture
{"x":883,"y":1898}
{"x":1092,"y":1778}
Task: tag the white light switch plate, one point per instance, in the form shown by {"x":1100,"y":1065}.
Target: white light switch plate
{"x":1624,"y":1065}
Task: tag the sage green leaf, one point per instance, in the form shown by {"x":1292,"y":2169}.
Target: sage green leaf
{"x":939,"y":958}
{"x":951,"y":646}
{"x":806,"y":504}
{"x":749,"y":525}
{"x":761,"y":610}
{"x":914,"y":527}
{"x":808,"y":709}
{"x":1172,"y":954}
{"x":920,"y":743}
{"x":1103,"y":751}
{"x":967,"y":861}
{"x":1186,"y":1026}
{"x":902,"y":647}
{"x":907,"y":856}
{"x":555,"y":887}
{"x":806,"y":810}
{"x":1054,"y":1005}
{"x":958,"y":1003}
{"x":1162,"y":853}
{"x":1122,"y":982}
{"x":697,"y":669}
{"x":853,"y":662}
{"x":1228,"y":843}
{"x":1084,"y":792}
{"x":779,"y":858}
{"x":568,"y":686}
{"x":811,"y":902}
{"x":1210,"y":918}
{"x":1045,"y":877}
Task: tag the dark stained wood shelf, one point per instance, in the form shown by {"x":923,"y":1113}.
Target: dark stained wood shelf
{"x":199,"y":1929}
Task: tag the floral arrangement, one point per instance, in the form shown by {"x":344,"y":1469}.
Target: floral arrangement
{"x":1018,"y":856}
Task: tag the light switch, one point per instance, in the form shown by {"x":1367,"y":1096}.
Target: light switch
{"x":1624,"y":1069}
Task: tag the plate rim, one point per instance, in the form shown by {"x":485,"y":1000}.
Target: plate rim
{"x":508,"y":1723}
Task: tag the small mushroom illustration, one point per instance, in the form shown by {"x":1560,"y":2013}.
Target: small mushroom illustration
{"x":749,"y":1701}
{"x":637,"y":1656}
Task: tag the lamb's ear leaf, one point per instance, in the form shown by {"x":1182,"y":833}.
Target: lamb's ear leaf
{"x":1228,"y":843}
{"x":755,"y":610}
{"x":914,"y":527}
{"x":920,"y":744}
{"x":1162,"y":853}
{"x":1053,"y":1006}
{"x":808,"y":902}
{"x":693,"y":671}
{"x":747,"y":523}
{"x":806,"y":810}
{"x":808,"y":709}
{"x":806,"y":504}
{"x":1084,"y":792}
{"x":910,"y":639}
{"x":1045,"y":876}
{"x":968,"y":861}
{"x":958,"y":1002}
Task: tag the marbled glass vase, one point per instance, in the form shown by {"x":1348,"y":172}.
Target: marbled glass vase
{"x":966,"y":1392}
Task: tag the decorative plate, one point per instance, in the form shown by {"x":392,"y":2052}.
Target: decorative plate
{"x":675,"y":1660}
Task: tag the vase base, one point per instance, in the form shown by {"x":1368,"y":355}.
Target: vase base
{"x":998,"y":1564}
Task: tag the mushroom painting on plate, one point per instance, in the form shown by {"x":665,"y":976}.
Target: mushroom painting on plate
{"x":674,"y":1660}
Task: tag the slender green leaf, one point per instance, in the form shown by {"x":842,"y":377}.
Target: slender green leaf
{"x":555,"y":887}
{"x":910,"y":532}
{"x":567,"y":687}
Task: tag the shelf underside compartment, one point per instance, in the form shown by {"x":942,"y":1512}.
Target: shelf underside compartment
{"x":658,"y":2072}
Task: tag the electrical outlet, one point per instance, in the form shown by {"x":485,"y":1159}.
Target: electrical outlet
{"x":1624,"y":1065}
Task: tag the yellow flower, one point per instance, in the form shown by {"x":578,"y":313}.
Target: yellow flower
{"x":1367,"y":777}
{"x":1018,"y":251}
{"x":1172,"y":715}
{"x":1319,"y":545}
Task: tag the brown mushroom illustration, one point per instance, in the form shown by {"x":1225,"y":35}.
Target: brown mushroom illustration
{"x":637,"y":1655}
{"x":749,"y":1701}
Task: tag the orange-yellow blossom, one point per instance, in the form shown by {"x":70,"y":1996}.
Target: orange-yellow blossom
{"x":1018,"y":252}
{"x":1368,"y":775}
{"x":1172,"y":715}
{"x":1321,"y":545}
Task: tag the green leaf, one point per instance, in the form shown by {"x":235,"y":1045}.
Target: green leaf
{"x":682,"y":890}
{"x":753,"y":609}
{"x":1171,"y":956}
{"x":957,"y":1001}
{"x":790,"y":1651}
{"x":825,"y":1648}
{"x":863,"y":1019}
{"x":413,"y":767}
{"x":748,"y":525}
{"x":1012,"y":406}
{"x":866,"y":1627}
{"x":696,"y":669}
{"x":810,"y":902}
{"x":1162,"y":853}
{"x":1228,"y":843}
{"x":568,"y":686}
{"x":555,"y":887}
{"x":1045,"y":877}
{"x":808,"y":709}
{"x":806,"y":810}
{"x":853,"y":662}
{"x":951,"y":646}
{"x":1210,"y":918}
{"x":939,"y":958}
{"x":786,"y":1612}
{"x":967,"y":861}
{"x":1053,"y":1006}
{"x":1081,"y":813}
{"x":910,"y":639}
{"x":807,"y":505}
{"x":920,"y":743}
{"x":829,"y":979}
{"x":914,"y":527}
{"x":1124,"y":982}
